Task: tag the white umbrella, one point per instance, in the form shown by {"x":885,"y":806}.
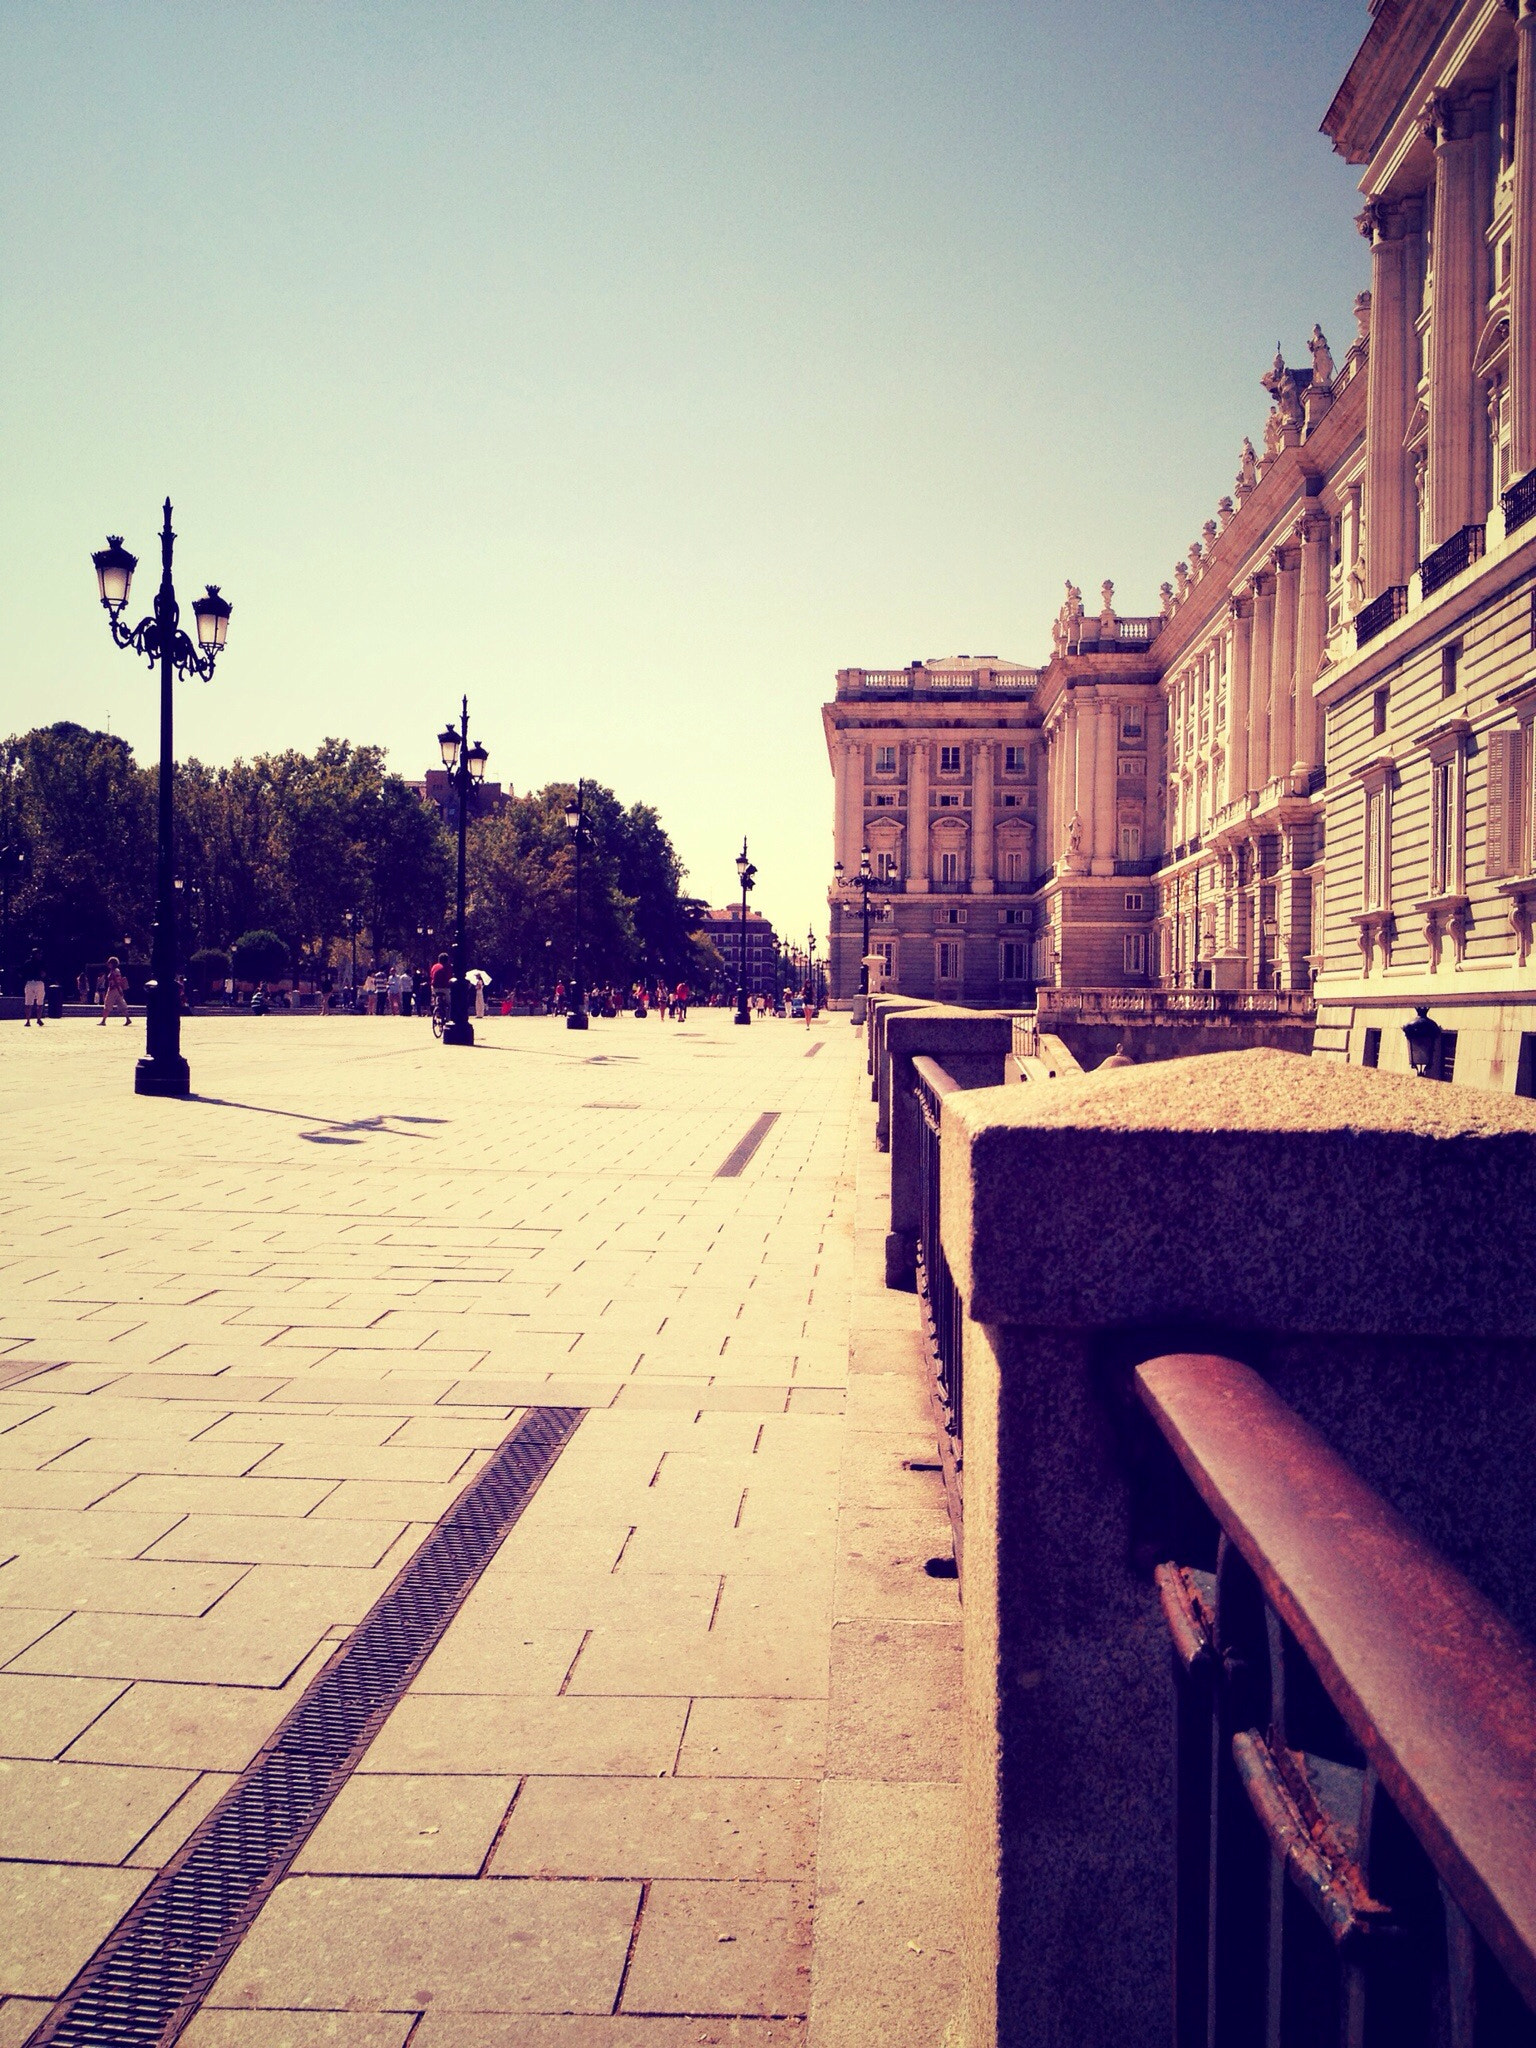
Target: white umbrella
{"x":478,"y":976}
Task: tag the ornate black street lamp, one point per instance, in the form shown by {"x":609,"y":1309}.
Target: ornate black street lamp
{"x":810,"y":969}
{"x":576,"y":1015}
{"x":747,"y":875}
{"x":466,"y":768}
{"x":863,"y":881}
{"x":161,"y":642}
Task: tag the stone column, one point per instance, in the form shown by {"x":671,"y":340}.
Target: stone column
{"x":1087,"y":765}
{"x":981,"y":820}
{"x":1390,"y":540}
{"x":1106,"y":827}
{"x":917,"y":819}
{"x":1462,"y":198}
{"x":1282,"y":672}
{"x":852,"y":811}
{"x":1258,"y":680}
{"x":1237,"y":699}
{"x":1311,"y":634}
{"x":840,"y":802}
{"x":1522,"y":297}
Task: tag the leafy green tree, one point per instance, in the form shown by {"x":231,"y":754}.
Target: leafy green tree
{"x":82,"y":812}
{"x":259,"y":956}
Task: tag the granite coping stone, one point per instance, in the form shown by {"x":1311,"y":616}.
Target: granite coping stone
{"x":1256,"y":1190}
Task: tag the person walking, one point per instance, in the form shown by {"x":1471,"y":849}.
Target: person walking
{"x":83,"y":987}
{"x":114,"y":994}
{"x":34,"y":991}
{"x":680,"y":1002}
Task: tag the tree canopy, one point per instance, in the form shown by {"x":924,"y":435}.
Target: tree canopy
{"x":320,"y":848}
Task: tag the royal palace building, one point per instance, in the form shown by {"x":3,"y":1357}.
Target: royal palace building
{"x":1314,"y":769}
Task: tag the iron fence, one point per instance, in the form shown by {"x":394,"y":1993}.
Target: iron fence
{"x":1380,"y":613}
{"x":1355,"y":1750}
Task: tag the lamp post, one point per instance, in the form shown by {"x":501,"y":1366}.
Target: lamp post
{"x":747,"y":875}
{"x":466,"y":768}
{"x":160,"y":641}
{"x":863,"y":881}
{"x":1423,"y":1036}
{"x":810,"y":974}
{"x":576,"y":1016}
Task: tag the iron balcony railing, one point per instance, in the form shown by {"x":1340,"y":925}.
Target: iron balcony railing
{"x":1520,"y":502}
{"x":1450,"y":558}
{"x":943,"y":1310}
{"x":1380,"y":613}
{"x":1354,"y":1754}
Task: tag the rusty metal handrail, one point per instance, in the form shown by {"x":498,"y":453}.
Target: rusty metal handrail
{"x":1432,"y":1684}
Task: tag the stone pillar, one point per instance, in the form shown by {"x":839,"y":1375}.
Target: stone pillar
{"x":1391,"y":543}
{"x":851,"y":810}
{"x":917,"y":820}
{"x":1106,"y":828}
{"x":1462,"y":198}
{"x":981,"y":820}
{"x":1237,"y":699}
{"x":1282,"y":673}
{"x":840,"y":802}
{"x":1087,"y":767}
{"x":1258,"y":680}
{"x":1311,"y":634}
{"x":1522,"y":297}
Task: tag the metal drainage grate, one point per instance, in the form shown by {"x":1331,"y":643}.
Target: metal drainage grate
{"x":740,"y":1153}
{"x":147,"y":1979}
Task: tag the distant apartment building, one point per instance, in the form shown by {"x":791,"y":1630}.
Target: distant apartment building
{"x":1313,"y":771}
{"x":439,"y":789}
{"x":724,"y":930}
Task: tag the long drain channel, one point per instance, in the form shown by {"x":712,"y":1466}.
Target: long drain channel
{"x":149,"y":1976}
{"x":742,"y":1151}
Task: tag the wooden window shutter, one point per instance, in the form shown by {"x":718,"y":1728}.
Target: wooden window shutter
{"x":1503,"y":823}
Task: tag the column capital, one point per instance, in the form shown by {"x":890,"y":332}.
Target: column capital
{"x":1451,"y":117}
{"x":1391,"y":220}
{"x":1287,"y":556}
{"x":1314,"y":527}
{"x":1240,"y":606}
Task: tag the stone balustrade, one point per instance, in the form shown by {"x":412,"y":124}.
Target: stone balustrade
{"x":1366,"y":1243}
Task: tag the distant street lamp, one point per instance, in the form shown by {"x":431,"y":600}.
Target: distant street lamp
{"x":160,"y":641}
{"x":466,"y":769}
{"x":810,"y":969}
{"x":1423,"y":1036}
{"x":863,"y":881}
{"x":576,"y":1016}
{"x":747,"y":874}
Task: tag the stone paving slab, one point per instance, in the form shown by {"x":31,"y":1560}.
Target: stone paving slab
{"x":703,"y":1686}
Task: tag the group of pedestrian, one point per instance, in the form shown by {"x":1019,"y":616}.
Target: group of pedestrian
{"x":111,"y":988}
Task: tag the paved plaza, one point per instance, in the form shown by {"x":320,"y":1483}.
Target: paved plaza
{"x":681,"y":1768}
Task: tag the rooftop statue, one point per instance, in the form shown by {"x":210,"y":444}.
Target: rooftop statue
{"x":1274,"y":434}
{"x":1322,"y":360}
{"x":1362,"y":316}
{"x":1165,"y":599}
{"x":1106,"y":600}
{"x":1247,"y":467}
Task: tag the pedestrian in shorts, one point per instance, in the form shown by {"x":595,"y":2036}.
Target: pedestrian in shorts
{"x":34,"y":992}
{"x":114,"y":995}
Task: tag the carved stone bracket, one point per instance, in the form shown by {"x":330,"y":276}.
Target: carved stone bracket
{"x":1446,"y":917}
{"x":1376,"y":928}
{"x":1521,"y":897}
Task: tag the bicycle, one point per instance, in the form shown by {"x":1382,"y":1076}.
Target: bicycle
{"x":439,"y":1011}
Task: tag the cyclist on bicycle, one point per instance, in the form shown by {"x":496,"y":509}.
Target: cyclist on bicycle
{"x":441,"y":979}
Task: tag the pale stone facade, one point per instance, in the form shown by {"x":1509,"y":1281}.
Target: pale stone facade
{"x":1315,"y":769}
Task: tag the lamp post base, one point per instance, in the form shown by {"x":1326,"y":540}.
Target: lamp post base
{"x":576,"y":1020}
{"x":742,"y":1017}
{"x":162,"y":1077}
{"x":459,"y":1034}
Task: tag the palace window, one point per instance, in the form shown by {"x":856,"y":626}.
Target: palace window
{"x":1014,"y":917}
{"x":954,"y":917}
{"x":1013,"y":866}
{"x":1378,"y":848}
{"x":949,"y":959}
{"x":1510,"y":801}
{"x":885,"y":799}
{"x":885,"y":760}
{"x":1450,"y":662}
{"x":1370,"y":1052}
{"x":886,"y":867}
{"x":885,"y":951}
{"x":1135,"y":900}
{"x":1010,"y":802}
{"x":949,"y":867}
{"x":1014,"y":960}
{"x":1130,"y":842}
{"x":1379,"y":712}
{"x":949,"y":760}
{"x":1131,"y":723}
{"x":1447,"y":827}
{"x":1015,"y":760}
{"x":1135,"y":952}
{"x":949,"y":800}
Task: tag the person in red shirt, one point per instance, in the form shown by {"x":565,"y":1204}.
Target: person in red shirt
{"x":680,"y":997}
{"x":441,"y":979}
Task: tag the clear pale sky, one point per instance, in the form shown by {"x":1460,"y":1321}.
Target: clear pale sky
{"x":633,"y":366}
